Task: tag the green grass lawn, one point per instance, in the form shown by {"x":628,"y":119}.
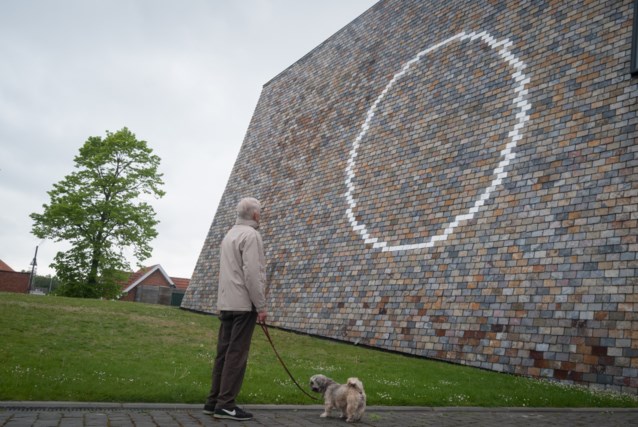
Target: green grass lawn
{"x":109,"y":351}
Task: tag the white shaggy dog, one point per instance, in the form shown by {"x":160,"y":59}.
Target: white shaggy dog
{"x":349,"y":398}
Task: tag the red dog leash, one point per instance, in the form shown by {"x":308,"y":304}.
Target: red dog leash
{"x":265,"y":329}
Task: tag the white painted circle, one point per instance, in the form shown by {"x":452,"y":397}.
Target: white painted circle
{"x":499,"y":173}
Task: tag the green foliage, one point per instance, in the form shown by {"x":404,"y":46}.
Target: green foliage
{"x":99,"y":209}
{"x":88,"y":350}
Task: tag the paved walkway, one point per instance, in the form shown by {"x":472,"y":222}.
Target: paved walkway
{"x":70,"y":414}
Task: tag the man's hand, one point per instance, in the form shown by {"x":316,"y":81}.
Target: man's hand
{"x":261,"y":317}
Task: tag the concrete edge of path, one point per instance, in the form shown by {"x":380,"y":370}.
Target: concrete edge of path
{"x":113,"y":406}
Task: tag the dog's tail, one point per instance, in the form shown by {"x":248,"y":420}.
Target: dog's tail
{"x":356,"y":384}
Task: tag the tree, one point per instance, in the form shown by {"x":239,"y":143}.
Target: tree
{"x":99,"y":209}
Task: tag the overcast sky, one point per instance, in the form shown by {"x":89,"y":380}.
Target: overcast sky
{"x":183,"y":75}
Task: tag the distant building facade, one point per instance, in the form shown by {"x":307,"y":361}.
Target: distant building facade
{"x":152,"y":285}
{"x":13,"y":281}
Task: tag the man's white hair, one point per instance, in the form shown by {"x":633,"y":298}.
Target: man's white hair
{"x":247,"y":207}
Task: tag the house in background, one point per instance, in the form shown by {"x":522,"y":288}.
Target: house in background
{"x":152,"y":285}
{"x":13,"y":281}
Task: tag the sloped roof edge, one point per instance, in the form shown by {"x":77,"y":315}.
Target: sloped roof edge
{"x":5,"y":267}
{"x":319,"y":45}
{"x":147,"y":274}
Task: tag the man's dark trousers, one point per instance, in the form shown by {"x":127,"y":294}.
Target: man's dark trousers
{"x":233,"y":344}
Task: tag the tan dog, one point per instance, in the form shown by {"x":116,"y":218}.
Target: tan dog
{"x":349,"y":398}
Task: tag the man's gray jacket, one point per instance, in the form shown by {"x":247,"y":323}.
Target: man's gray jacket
{"x":242,"y":269}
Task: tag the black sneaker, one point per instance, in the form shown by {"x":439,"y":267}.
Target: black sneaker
{"x":233,"y":414}
{"x":209,"y":409}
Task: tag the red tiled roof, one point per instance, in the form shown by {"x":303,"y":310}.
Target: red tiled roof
{"x":5,"y":267}
{"x":181,"y":283}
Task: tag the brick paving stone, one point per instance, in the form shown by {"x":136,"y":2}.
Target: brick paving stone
{"x":72,"y":418}
{"x":119,"y":419}
{"x":20,"y":421}
{"x":96,"y":420}
{"x":308,"y":416}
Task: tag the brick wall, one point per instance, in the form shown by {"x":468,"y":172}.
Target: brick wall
{"x":13,"y":281}
{"x":154,"y":289}
{"x":456,"y":180}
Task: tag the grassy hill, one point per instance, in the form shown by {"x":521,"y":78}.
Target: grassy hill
{"x":65,"y":349}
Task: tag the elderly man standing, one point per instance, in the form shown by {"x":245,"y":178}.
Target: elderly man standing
{"x":241,"y":303}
